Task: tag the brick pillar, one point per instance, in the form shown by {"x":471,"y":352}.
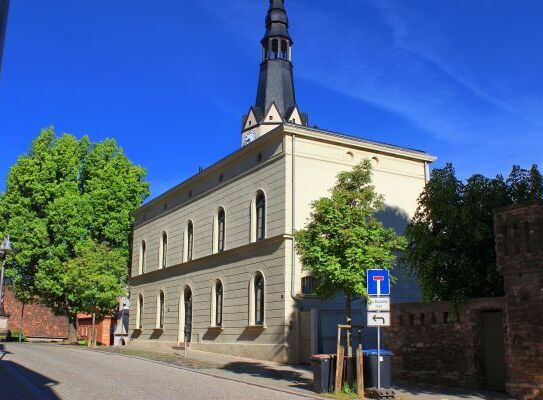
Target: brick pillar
{"x":519,"y":248}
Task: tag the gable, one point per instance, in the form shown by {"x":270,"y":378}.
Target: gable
{"x":251,"y":120}
{"x":273,"y":115}
{"x":295,"y":117}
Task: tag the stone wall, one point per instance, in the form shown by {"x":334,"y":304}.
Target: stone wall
{"x":432,"y":343}
{"x":37,"y":321}
{"x":519,"y":247}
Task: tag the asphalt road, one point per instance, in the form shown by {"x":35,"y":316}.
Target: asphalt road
{"x":44,"y":372}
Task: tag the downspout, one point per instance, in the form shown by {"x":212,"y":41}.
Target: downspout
{"x":293,"y":190}
{"x":426,"y":172}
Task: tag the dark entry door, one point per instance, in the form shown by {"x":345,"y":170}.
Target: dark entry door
{"x":188,"y":315}
{"x":494,"y":349}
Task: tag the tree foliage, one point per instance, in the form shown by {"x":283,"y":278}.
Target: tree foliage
{"x":344,"y":239}
{"x":63,"y":198}
{"x":451,"y":238}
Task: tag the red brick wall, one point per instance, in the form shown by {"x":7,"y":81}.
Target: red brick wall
{"x":434,"y":344}
{"x":103,"y":335}
{"x":519,"y":248}
{"x":37,"y":321}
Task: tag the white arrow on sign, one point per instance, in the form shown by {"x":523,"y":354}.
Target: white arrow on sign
{"x":378,"y":319}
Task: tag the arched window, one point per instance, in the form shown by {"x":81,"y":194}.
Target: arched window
{"x":139,"y":315}
{"x":221,"y":230}
{"x":190,"y":240}
{"x":259,"y":299}
{"x":160,"y":310}
{"x":143,"y":254}
{"x":275,"y":49}
{"x":260,"y":216}
{"x":218,"y":303}
{"x":163,"y":250}
{"x":284,"y":49}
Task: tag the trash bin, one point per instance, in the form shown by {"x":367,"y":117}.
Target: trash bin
{"x":371,"y":365}
{"x":323,"y":372}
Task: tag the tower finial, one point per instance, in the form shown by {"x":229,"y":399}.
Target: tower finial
{"x":275,"y":98}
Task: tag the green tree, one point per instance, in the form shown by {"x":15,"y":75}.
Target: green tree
{"x":451,"y":238}
{"x":62,"y":195}
{"x":343,"y":238}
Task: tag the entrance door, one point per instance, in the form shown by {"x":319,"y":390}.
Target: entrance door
{"x":188,"y":315}
{"x":494,"y":349}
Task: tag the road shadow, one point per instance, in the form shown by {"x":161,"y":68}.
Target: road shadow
{"x":427,"y":390}
{"x":294,"y":379}
{"x":18,"y":382}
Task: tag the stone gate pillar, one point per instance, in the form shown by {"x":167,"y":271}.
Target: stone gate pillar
{"x":519,"y":248}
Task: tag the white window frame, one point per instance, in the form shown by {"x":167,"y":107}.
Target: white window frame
{"x":254,"y":222}
{"x":252,"y":300}
{"x":160,"y":308}
{"x":214,"y":304}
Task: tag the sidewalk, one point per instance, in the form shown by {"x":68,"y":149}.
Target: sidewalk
{"x":292,"y":379}
{"x":295,"y":379}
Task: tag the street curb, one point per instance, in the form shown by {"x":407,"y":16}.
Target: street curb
{"x":206,"y":373}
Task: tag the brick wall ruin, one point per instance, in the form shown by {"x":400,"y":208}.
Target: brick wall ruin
{"x":435,"y":344}
{"x":519,"y":247}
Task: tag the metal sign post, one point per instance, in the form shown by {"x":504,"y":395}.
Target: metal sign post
{"x":378,"y":287}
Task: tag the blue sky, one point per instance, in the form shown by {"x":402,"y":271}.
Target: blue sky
{"x":170,"y":79}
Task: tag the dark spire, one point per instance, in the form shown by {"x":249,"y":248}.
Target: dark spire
{"x":276,"y":82}
{"x":277,"y":21}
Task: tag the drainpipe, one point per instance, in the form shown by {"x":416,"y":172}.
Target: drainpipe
{"x":293,"y":256}
{"x":426,"y":172}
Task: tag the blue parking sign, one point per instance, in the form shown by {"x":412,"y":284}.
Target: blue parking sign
{"x":378,"y":282}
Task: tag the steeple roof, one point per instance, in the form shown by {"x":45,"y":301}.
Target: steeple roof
{"x":275,"y":91}
{"x":277,"y":21}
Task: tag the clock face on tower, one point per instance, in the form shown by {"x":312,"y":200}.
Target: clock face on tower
{"x":250,"y":137}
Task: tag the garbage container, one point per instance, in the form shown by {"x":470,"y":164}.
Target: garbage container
{"x":370,"y":368}
{"x":323,"y":372}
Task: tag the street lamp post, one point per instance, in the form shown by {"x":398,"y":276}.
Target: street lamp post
{"x":4,"y":251}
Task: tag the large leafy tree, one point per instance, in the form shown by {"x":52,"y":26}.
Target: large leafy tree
{"x":344,"y":238}
{"x":64,"y":197}
{"x":451,"y":238}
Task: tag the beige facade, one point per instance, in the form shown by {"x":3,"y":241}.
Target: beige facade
{"x":291,"y":166}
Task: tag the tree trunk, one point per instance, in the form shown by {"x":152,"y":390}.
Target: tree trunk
{"x":21,"y":330}
{"x":348,"y":312}
{"x":93,"y":330}
{"x":72,"y":329}
{"x":350,"y":364}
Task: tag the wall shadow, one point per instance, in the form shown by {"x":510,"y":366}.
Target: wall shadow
{"x":157,"y":334}
{"x":250,"y":334}
{"x":212,"y":334}
{"x":291,"y":378}
{"x":18,"y":382}
{"x":136,"y":333}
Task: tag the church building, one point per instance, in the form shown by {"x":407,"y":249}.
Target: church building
{"x":214,"y":264}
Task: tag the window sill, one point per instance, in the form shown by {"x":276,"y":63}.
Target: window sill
{"x":256,"y":327}
{"x":215,"y":328}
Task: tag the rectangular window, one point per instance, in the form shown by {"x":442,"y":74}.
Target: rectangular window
{"x":308,"y":285}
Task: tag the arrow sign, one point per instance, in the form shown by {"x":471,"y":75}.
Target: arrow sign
{"x":378,"y":319}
